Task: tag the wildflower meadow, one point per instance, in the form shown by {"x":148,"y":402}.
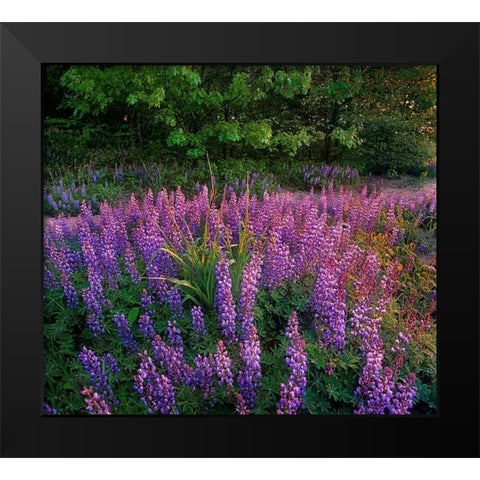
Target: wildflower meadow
{"x":220,"y":304}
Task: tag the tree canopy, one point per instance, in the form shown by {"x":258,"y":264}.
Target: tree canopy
{"x":382,"y":117}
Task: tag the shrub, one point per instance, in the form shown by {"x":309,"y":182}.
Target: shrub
{"x":390,"y":146}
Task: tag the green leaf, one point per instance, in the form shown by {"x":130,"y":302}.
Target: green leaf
{"x":132,"y":99}
{"x":133,"y":314}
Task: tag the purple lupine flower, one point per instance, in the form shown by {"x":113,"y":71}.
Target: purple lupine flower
{"x":174,"y":335}
{"x":277,"y":264}
{"x":215,"y":226}
{"x":52,"y":202}
{"x":156,"y":391}
{"x":388,"y":286}
{"x":375,"y":384}
{"x":311,"y":239}
{"x":224,"y":300}
{"x":145,"y":321}
{"x":49,"y":410}
{"x":132,"y":210}
{"x":372,"y":215}
{"x":180,"y":212}
{"x":231,"y":217}
{"x":110,"y":364}
{"x":248,"y":377}
{"x":391,"y":219}
{"x":157,"y":271}
{"x":366,"y":282}
{"x":49,"y":280}
{"x":175,"y":304}
{"x":99,"y":376}
{"x":108,"y":245}
{"x":172,"y":359}
{"x":241,"y":408}
{"x":59,"y":258}
{"x":376,"y":387}
{"x":377,"y":390}
{"x":147,"y":302}
{"x":329,"y":304}
{"x":403,"y":397}
{"x":125,"y":332}
{"x":250,"y":279}
{"x":96,"y":405}
{"x":223,"y":366}
{"x":296,"y":358}
{"x":203,"y":377}
{"x":146,"y":325}
{"x":198,"y":321}
{"x":93,"y":294}
{"x":86,"y":225}
{"x":130,"y":264}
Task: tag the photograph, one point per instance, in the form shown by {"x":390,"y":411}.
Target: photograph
{"x":239,"y":239}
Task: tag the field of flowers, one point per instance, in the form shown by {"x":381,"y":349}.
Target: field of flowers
{"x":235,"y":303}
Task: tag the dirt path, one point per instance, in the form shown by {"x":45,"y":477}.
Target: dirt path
{"x":408,"y":186}
{"x":405,"y":187}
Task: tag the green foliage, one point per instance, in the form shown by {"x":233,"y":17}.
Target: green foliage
{"x":346,"y":137}
{"x":258,"y":134}
{"x":393,"y":147}
{"x":383,"y":117}
{"x":198,"y":258}
{"x":333,"y":378}
{"x":291,"y":143}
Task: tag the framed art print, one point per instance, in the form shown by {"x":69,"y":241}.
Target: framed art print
{"x":222,"y":240}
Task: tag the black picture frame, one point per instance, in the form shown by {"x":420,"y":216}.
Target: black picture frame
{"x":453,"y":432}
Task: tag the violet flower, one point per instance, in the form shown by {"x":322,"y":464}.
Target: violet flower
{"x":296,"y":358}
{"x":99,"y":376}
{"x":224,"y":301}
{"x":203,"y":377}
{"x":172,"y":359}
{"x":49,"y":410}
{"x":329,"y":304}
{"x":250,"y":279}
{"x":96,"y":405}
{"x":198,"y":321}
{"x":223,"y":366}
{"x":125,"y":332}
{"x":156,"y":391}
{"x":248,"y":377}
